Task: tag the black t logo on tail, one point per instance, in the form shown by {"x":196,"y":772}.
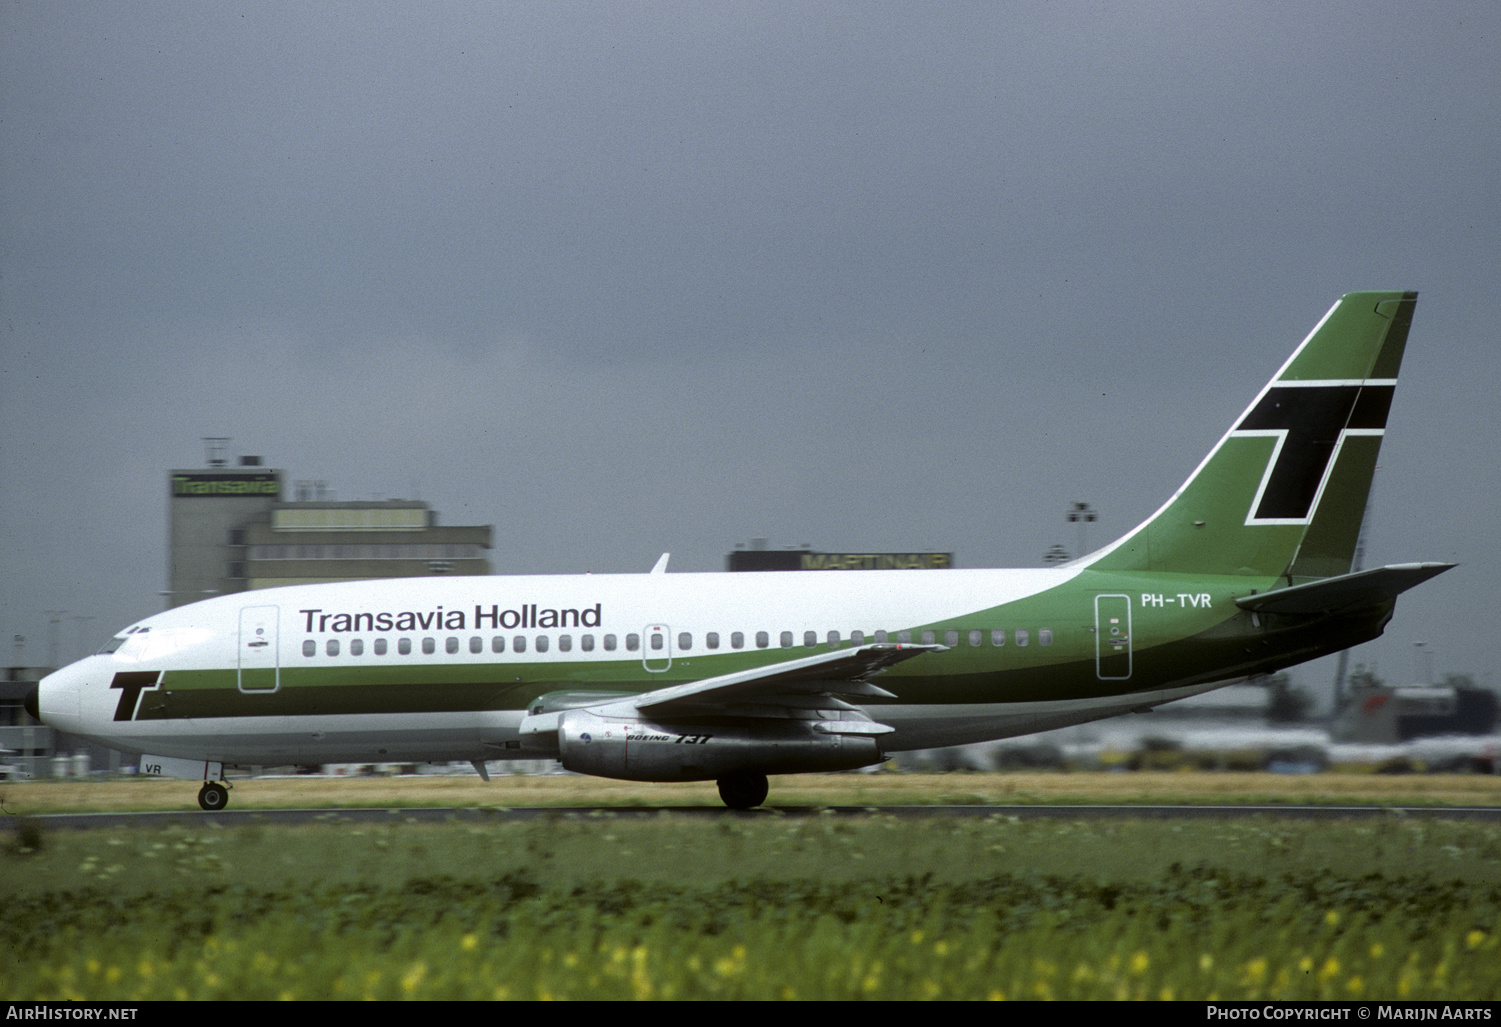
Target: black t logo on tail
{"x":1311,"y":420}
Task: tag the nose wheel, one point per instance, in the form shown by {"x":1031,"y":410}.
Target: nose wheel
{"x":213,"y":796}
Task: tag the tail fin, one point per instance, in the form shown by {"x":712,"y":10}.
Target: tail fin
{"x":1284,"y":492}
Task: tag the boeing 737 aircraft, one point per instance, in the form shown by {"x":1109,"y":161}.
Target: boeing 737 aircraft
{"x":1245,"y":570}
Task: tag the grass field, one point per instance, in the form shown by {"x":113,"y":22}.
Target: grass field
{"x":590,"y":905}
{"x":885,"y":789}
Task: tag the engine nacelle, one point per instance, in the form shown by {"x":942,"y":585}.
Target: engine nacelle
{"x":632,"y":749}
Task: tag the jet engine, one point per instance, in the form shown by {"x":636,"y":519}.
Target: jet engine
{"x":693,"y":749}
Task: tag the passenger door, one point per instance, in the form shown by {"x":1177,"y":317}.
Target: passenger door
{"x":259,"y":661}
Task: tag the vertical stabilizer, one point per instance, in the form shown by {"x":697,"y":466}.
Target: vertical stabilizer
{"x":1284,"y":492}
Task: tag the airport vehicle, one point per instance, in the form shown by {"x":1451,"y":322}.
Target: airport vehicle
{"x":12,"y":771}
{"x":733,"y":677}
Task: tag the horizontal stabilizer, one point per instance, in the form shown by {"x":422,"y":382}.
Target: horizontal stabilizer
{"x":1346,"y":592}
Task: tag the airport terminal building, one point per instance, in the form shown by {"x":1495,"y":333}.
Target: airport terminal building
{"x":234,"y":530}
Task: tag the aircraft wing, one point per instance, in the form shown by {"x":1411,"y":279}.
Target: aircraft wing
{"x":805,"y":688}
{"x":839,"y":671}
{"x":1346,"y":592}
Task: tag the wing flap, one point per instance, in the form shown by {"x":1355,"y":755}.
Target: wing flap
{"x":837,"y":672}
{"x":806,"y":689}
{"x":852,"y":726}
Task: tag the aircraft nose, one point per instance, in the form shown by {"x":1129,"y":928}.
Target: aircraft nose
{"x":58,"y":696}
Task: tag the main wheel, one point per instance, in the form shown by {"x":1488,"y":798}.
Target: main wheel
{"x":213,"y":796}
{"x":743,"y":789}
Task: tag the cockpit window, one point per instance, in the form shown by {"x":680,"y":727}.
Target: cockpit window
{"x":115,"y":643}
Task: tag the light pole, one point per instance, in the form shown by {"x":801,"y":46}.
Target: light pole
{"x":54,"y":618}
{"x":1422,"y":663}
{"x":83,"y":634}
{"x":1081,"y":514}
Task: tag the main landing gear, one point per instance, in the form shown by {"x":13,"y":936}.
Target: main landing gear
{"x":743,"y":789}
{"x":213,"y":796}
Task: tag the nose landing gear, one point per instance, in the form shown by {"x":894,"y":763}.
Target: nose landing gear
{"x":213,"y":796}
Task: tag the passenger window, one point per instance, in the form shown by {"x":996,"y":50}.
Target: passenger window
{"x":685,"y":640}
{"x":975,"y":637}
{"x":951,"y":638}
{"x":632,"y":642}
{"x":586,"y":643}
{"x":857,"y":638}
{"x":881,"y":637}
{"x":997,"y":637}
{"x":763,"y":640}
{"x":737,"y":640}
{"x":904,"y":637}
{"x":833,"y":640}
{"x":451,"y":646}
{"x":380,"y":647}
{"x":310,"y":648}
{"x":927,"y":638}
{"x":476,"y":644}
{"x":565,"y":643}
{"x":712,"y":640}
{"x":810,"y":639}
{"x":1021,"y":636}
{"x":541,"y":643}
{"x":656,"y":640}
{"x":518,"y":644}
{"x":404,"y":646}
{"x":609,"y":643}
{"x":356,"y":647}
{"x":429,"y":646}
{"x":1044,"y":636}
{"x":786,"y":640}
{"x":498,"y":644}
{"x":332,"y":647}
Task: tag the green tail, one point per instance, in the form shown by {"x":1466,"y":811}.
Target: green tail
{"x":1284,"y":492}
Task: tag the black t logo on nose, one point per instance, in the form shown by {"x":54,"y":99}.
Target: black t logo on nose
{"x":130,"y":685}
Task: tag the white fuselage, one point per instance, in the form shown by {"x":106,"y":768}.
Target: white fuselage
{"x":526,"y":634}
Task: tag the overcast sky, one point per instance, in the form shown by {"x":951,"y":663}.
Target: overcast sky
{"x":622,"y":278}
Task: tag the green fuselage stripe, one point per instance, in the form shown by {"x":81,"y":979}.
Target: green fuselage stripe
{"x":1173,"y":644}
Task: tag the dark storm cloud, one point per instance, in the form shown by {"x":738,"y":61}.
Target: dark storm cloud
{"x":621,"y":278}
